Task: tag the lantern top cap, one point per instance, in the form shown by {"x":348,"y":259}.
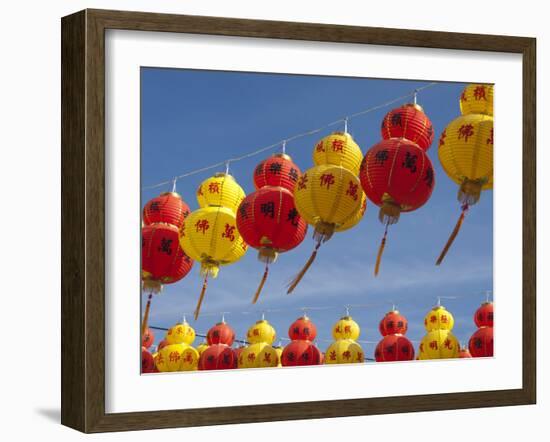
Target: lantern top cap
{"x":346,"y":318}
{"x":223,"y":174}
{"x":393,"y":312}
{"x":282,"y":155}
{"x":416,"y":106}
{"x":261,"y":321}
{"x":174,"y":194}
{"x":487,"y":303}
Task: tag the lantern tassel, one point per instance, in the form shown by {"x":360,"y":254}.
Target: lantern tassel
{"x":300,"y":275}
{"x":201,"y":297}
{"x":381,"y":250}
{"x":261,"y":286}
{"x":146,"y":315}
{"x":453,"y":234}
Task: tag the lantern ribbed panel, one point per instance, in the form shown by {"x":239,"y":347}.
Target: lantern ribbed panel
{"x":300,"y":353}
{"x":302,"y":329}
{"x":438,"y":318}
{"x":344,"y":351}
{"x":358,"y":216}
{"x":261,"y":331}
{"x":439,"y":344}
{"x":258,"y":355}
{"x":211,"y":234}
{"x":477,"y":99}
{"x":481,"y":343}
{"x":166,"y":208}
{"x":393,"y":348}
{"x":338,"y":149}
{"x":180,"y":334}
{"x":147,"y":361}
{"x":177,"y":357}
{"x":466,"y":149}
{"x":148,"y":338}
{"x":278,"y":170}
{"x":218,"y":357}
{"x":393,"y":323}
{"x":162,"y":258}
{"x":269,"y":218}
{"x":398,"y":170}
{"x":483,"y":316}
{"x":410,"y":122}
{"x":327,"y":193}
{"x":221,"y":333}
{"x":346,"y":328}
{"x":220,"y":190}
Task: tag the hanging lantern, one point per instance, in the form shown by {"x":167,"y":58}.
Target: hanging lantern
{"x":302,"y":329}
{"x":279,"y":350}
{"x":278,"y":170}
{"x":338,"y":149}
{"x":346,"y":328}
{"x":267,"y":220}
{"x":438,"y":319}
{"x":299,"y":353}
{"x":221,"y":333}
{"x":147,"y":338}
{"x":464,"y":353}
{"x":439,"y":344}
{"x":394,"y":347}
{"x":181,"y":333}
{"x":261,"y":332}
{"x":344,"y":351}
{"x":162,"y":344}
{"x":147,"y":361}
{"x":483,"y":316}
{"x":258,"y":355}
{"x":466,"y":151}
{"x":166,"y":208}
{"x":218,"y":357}
{"x":408,"y":121}
{"x":481,"y":343}
{"x":201,"y":347}
{"x":393,"y":323}
{"x":209,"y":234}
{"x":177,"y":357}
{"x":397,"y":175}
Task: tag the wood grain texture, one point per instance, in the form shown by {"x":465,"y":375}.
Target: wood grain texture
{"x":83,"y":219}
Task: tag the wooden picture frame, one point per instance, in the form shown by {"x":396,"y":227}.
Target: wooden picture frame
{"x":83,"y":219}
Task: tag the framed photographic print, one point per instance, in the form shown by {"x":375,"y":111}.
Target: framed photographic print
{"x":266,"y":221}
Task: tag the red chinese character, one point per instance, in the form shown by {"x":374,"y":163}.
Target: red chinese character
{"x":433,"y":345}
{"x":179,"y":331}
{"x":229,"y":232}
{"x":338,"y":145}
{"x":320,"y":147}
{"x":360,"y":356}
{"x":447,"y":344}
{"x":188,"y":358}
{"x":332,"y":355}
{"x":442,"y":137}
{"x":443,"y":319}
{"x":251,"y":357}
{"x":199,"y":192}
{"x":267,"y":357}
{"x":338,"y":329}
{"x":465,"y":131}
{"x":463,"y":96}
{"x":490,"y":139}
{"x":327,"y":179}
{"x":433,"y":318}
{"x":479,"y":93}
{"x":214,"y":187}
{"x":160,"y":359}
{"x":174,"y":356}
{"x":352,"y":190}
{"x":202,"y":225}
{"x":346,"y":355}
{"x":347,"y":329}
{"x":302,"y":182}
{"x":256,"y":332}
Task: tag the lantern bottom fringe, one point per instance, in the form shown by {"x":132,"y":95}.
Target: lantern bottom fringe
{"x":201,"y":297}
{"x":469,"y":191}
{"x":389,"y":212}
{"x":323,"y":231}
{"x":454,"y":233}
{"x":261,"y":286}
{"x":152,"y":286}
{"x":267,"y":255}
{"x":300,"y":275}
{"x":380,"y":252}
{"x":209,"y":268}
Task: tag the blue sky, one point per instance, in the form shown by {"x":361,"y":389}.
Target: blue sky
{"x":191,"y":119}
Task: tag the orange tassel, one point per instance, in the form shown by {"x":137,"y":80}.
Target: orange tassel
{"x":261,"y":286}
{"x":146,"y":315}
{"x":381,"y":251}
{"x":201,"y":297}
{"x":300,"y":275}
{"x":453,"y":235}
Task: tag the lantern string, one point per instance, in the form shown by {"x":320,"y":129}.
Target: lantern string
{"x":310,"y":132}
{"x":174,"y":184}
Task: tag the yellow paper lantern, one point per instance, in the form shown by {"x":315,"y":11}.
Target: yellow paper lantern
{"x":181,"y":333}
{"x":477,"y":99}
{"x":201,"y":347}
{"x":338,"y":149}
{"x":346,"y":328}
{"x":261,"y":331}
{"x":344,"y":351}
{"x":439,"y":344}
{"x":438,"y":318}
{"x":177,"y":357}
{"x":220,"y":190}
{"x":354,"y":220}
{"x":259,"y":355}
{"x":279,"y":350}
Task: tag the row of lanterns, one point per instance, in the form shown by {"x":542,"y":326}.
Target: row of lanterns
{"x":396,"y":174}
{"x":175,"y":352}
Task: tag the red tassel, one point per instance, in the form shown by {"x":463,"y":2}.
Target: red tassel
{"x":453,"y":234}
{"x":300,"y":275}
{"x":261,"y":286}
{"x":201,"y":297}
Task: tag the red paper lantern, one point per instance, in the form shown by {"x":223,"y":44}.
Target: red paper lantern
{"x":302,"y":329}
{"x":162,"y":344}
{"x":481,"y":343}
{"x":408,"y":121}
{"x":277,"y":170}
{"x":148,"y":338}
{"x":147,"y":361}
{"x":393,"y":323}
{"x":162,"y":259}
{"x":218,"y":357}
{"x":394,"y":348}
{"x":167,"y":208}
{"x":483,"y":316}
{"x":300,"y":352}
{"x":221,"y":333}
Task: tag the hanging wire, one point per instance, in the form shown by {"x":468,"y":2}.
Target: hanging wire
{"x":344,"y":120}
